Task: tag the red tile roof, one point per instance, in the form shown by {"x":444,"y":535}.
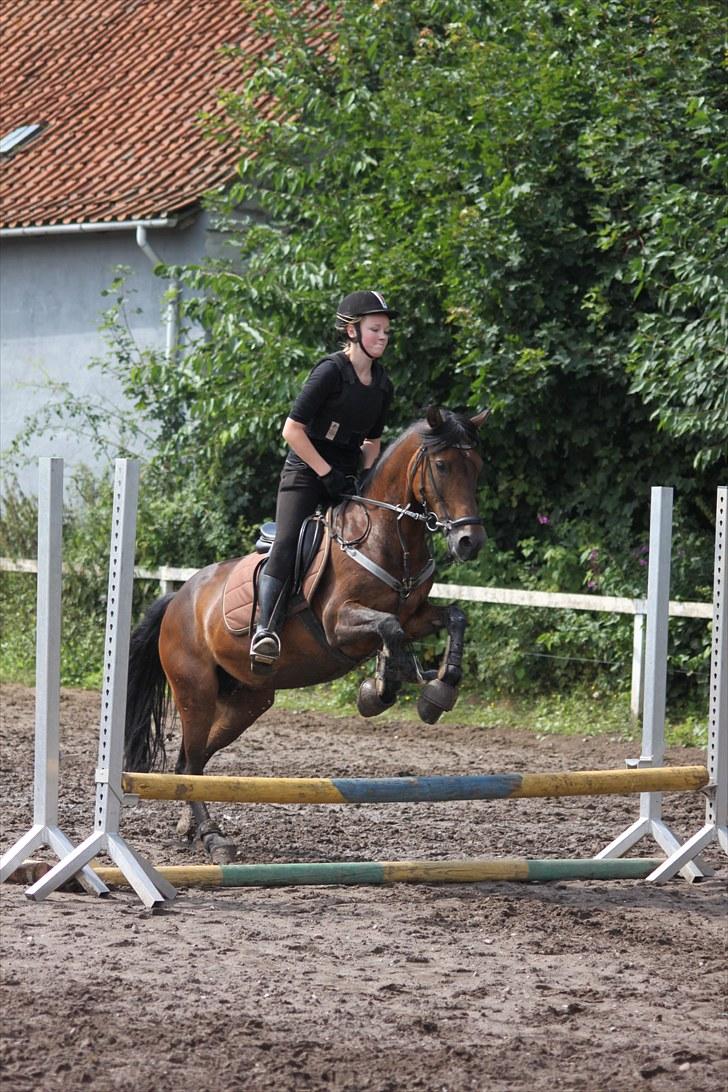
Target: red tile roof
{"x":119,"y":84}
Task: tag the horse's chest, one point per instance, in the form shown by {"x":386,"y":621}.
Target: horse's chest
{"x":411,"y":605}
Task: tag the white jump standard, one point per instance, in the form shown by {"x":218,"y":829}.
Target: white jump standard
{"x":650,"y":822}
{"x":150,"y":886}
{"x":716,"y":808}
{"x":45,"y":830}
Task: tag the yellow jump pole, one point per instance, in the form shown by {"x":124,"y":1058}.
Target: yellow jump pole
{"x":352,"y":790}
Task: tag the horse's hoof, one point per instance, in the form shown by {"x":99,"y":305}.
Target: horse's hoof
{"x":223,"y":853}
{"x":218,"y":848}
{"x":215,"y":844}
{"x":369,"y":703}
{"x":436,"y":698}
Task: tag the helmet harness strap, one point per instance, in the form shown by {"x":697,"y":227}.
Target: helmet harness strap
{"x":358,"y":340}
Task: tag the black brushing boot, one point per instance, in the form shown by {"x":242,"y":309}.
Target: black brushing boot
{"x":265,"y":646}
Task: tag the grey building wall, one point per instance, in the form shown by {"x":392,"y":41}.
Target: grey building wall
{"x":51,"y":309}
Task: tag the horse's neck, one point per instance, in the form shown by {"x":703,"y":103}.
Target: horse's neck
{"x":391,"y":480}
{"x":392,"y":484}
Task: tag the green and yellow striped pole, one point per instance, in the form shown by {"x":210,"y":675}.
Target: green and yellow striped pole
{"x":320,"y":873}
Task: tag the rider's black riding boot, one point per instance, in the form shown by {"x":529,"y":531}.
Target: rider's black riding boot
{"x":265,"y":646}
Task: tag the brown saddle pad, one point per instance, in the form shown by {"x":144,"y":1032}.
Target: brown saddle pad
{"x":238,"y":593}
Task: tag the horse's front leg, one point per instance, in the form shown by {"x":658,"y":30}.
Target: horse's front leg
{"x":439,"y":695}
{"x":354,"y":623}
{"x":378,"y":693}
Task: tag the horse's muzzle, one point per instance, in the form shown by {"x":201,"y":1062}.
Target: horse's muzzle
{"x":465,"y":543}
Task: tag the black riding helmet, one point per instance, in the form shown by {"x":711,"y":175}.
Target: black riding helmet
{"x":355,"y":306}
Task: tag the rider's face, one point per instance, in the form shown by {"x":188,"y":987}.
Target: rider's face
{"x":374,"y":333}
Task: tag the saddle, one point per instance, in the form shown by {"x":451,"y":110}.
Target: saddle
{"x":240,"y":598}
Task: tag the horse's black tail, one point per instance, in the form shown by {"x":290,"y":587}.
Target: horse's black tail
{"x":147,"y":695}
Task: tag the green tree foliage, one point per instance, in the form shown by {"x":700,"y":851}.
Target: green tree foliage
{"x":656,"y":151}
{"x":541,"y":189}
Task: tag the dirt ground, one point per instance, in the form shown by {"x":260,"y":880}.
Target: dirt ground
{"x":599,"y":986}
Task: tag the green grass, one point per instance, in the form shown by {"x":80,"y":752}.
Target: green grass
{"x":582,"y":712}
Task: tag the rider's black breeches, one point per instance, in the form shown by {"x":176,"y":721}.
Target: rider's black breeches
{"x":299,"y":494}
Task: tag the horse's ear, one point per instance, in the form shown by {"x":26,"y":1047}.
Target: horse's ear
{"x":480,"y":418}
{"x":434,"y":417}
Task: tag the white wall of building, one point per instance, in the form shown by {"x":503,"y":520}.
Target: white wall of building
{"x":51,"y":310}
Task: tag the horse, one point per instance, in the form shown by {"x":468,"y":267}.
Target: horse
{"x":371,"y":601}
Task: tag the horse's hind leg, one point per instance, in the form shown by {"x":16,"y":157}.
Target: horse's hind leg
{"x":186,"y":826}
{"x":234,"y":710}
{"x":196,"y":696}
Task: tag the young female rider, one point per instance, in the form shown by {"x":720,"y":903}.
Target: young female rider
{"x":333,"y":431}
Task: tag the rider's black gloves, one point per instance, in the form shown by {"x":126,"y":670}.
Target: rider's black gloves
{"x":335,"y":483}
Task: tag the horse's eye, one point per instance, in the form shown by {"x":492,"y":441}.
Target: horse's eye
{"x":441,"y":465}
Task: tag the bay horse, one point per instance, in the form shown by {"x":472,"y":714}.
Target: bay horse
{"x":371,"y":600}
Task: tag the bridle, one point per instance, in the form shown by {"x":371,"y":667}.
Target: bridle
{"x":433,"y":522}
{"x":428,"y":516}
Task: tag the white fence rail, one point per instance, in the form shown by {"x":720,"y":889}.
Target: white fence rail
{"x":169,"y":576}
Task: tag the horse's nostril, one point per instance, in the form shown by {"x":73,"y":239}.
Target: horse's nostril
{"x":468,"y":546}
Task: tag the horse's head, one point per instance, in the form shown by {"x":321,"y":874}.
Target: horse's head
{"x":444,"y":478}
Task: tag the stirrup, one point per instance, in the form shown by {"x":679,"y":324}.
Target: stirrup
{"x":265,"y":647}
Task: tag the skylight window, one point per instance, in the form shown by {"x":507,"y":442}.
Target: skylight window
{"x":12,"y":141}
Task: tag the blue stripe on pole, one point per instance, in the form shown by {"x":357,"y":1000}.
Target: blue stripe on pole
{"x":372,"y":790}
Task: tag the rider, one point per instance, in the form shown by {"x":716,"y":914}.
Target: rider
{"x":333,"y":431}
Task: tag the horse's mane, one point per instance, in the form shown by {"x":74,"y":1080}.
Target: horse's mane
{"x":454,"y":430}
